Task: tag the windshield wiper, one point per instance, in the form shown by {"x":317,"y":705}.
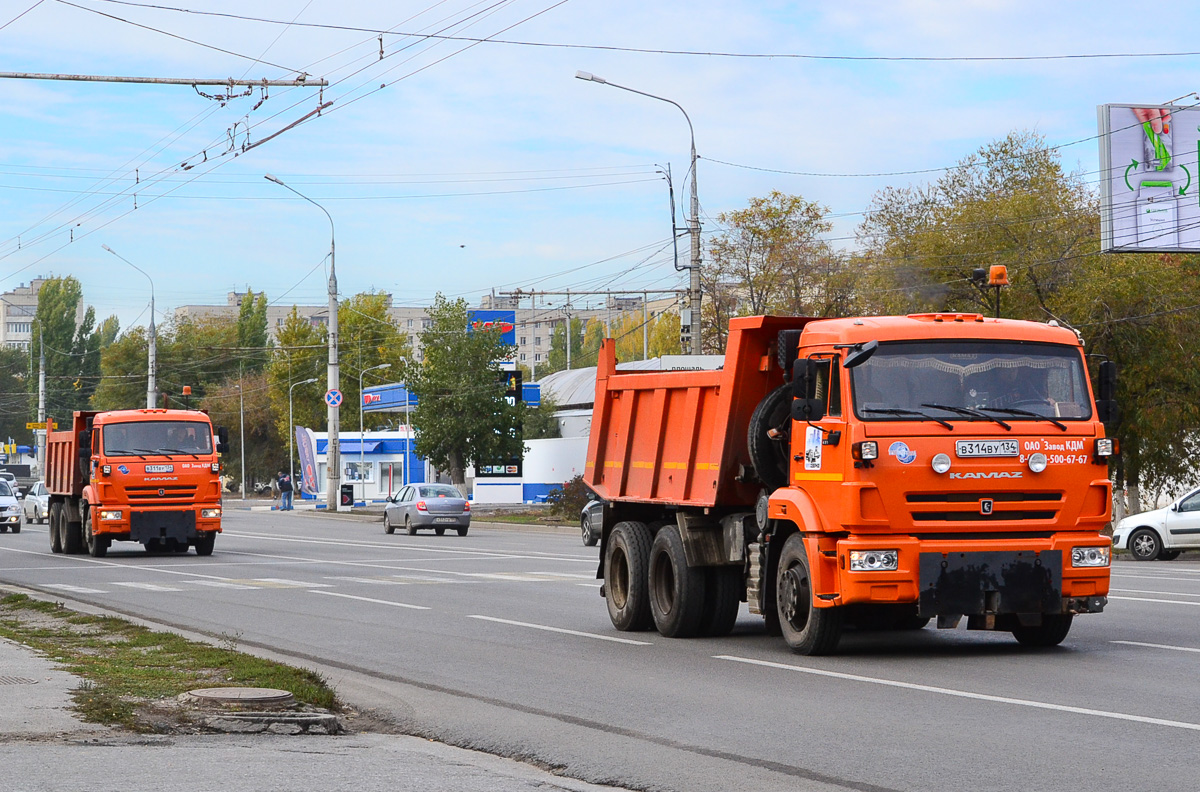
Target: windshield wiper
{"x":127,"y":452}
{"x":175,"y":451}
{"x":1026,"y":414}
{"x":966,"y":411}
{"x":905,"y":411}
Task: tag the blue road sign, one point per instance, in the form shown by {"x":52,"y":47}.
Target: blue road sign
{"x":333,"y":397}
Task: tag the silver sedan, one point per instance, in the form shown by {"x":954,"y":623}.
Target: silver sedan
{"x":36,"y":503}
{"x":436,"y":506}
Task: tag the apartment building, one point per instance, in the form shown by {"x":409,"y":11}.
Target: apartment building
{"x":18,"y":308}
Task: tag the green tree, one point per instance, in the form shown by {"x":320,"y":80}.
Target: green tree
{"x":72,"y":350}
{"x":227,"y":407}
{"x":301,"y":353}
{"x":252,"y":334}
{"x":16,"y":409}
{"x":556,"y":359}
{"x":462,"y":416}
{"x":539,"y":423}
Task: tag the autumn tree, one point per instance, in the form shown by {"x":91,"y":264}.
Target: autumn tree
{"x":462,"y":416}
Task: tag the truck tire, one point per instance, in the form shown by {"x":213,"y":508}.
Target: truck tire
{"x":1144,"y":545}
{"x":1050,"y":632}
{"x":626,"y":572}
{"x":55,"y":532}
{"x":204,"y":543}
{"x":722,"y":600}
{"x":72,"y":536}
{"x":97,"y":546}
{"x":677,"y":591}
{"x":806,"y":629}
{"x":771,"y":457}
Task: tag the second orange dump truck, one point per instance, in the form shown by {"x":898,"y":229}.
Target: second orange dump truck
{"x":869,"y":473}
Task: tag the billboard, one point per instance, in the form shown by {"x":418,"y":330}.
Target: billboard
{"x":512,"y":467}
{"x":1148,"y":172}
{"x":505,"y":321}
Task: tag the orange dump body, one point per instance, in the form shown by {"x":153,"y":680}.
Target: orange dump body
{"x":679,"y":439}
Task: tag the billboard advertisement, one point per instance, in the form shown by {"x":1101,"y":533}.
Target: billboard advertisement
{"x":506,"y":321}
{"x":306,"y":446}
{"x":1148,"y":172}
{"x":512,"y":467}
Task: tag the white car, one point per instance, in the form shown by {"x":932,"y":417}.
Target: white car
{"x":10,"y":508}
{"x":36,"y":503}
{"x":1161,"y":534}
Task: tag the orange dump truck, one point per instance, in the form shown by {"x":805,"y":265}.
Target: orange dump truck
{"x":869,"y":473}
{"x":149,"y":476}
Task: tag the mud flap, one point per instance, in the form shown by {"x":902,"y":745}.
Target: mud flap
{"x":991,"y":582}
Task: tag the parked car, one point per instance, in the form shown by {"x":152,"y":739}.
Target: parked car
{"x":10,"y":508}
{"x":436,"y":506}
{"x":590,"y":522}
{"x":35,"y":504}
{"x":1161,"y":534}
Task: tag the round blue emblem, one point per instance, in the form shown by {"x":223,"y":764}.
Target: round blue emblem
{"x":901,"y":451}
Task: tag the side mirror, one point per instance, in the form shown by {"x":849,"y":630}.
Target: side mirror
{"x":860,"y":354}
{"x":222,"y":439}
{"x":1174,"y":507}
{"x":805,"y":407}
{"x":1107,"y":409}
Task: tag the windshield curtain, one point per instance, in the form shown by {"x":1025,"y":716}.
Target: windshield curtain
{"x":162,"y":438}
{"x":991,"y":376}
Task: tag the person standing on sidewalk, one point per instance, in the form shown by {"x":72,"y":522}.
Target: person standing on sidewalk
{"x":284,"y":482}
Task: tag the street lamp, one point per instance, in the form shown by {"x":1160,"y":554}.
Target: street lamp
{"x":242,"y":433}
{"x":292,"y":433}
{"x":151,"y":382}
{"x":694,"y":285}
{"x":333,"y":467}
{"x":361,"y":441}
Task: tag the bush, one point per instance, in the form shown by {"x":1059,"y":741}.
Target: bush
{"x":569,"y":499}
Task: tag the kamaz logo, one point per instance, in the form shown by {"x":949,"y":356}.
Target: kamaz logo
{"x":989,"y":475}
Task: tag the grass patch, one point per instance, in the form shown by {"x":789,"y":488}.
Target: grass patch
{"x":526,"y":518}
{"x":126,"y":668}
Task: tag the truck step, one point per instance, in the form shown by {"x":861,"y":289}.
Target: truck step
{"x":758,"y":562}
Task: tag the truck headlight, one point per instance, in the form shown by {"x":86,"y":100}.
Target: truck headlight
{"x":114,"y":514}
{"x":1090,"y":556}
{"x":210,"y":514}
{"x":874,"y":560}
{"x":1037,"y":462}
{"x":941,"y":463}
{"x":866,"y":450}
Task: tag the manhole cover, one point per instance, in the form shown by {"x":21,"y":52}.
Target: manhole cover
{"x":242,"y":696}
{"x":8,"y":680}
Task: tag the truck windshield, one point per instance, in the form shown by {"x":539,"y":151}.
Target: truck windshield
{"x":162,"y":438}
{"x":950,"y":380}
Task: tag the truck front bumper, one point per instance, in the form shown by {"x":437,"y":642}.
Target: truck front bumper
{"x":146,"y":525}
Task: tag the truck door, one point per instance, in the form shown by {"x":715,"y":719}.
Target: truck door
{"x":818,"y":447}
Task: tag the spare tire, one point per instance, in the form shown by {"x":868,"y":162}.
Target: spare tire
{"x":771,"y":457}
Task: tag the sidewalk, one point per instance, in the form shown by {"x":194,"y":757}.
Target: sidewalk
{"x":44,"y":747}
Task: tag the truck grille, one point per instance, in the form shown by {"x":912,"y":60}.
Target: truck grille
{"x":960,"y":507}
{"x":165,"y":493}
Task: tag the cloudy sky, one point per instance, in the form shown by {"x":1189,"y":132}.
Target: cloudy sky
{"x":460,"y":166}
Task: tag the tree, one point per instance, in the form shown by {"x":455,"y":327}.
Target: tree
{"x":15,"y":407}
{"x":72,"y":350}
{"x":539,"y":423}
{"x":227,"y":407}
{"x":462,"y":416}
{"x":300,"y":353}
{"x":556,"y":360}
{"x":770,"y":259}
{"x":252,"y":330}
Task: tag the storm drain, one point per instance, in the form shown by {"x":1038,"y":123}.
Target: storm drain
{"x":273,"y":713}
{"x":9,"y":680}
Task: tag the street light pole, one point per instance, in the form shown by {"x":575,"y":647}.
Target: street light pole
{"x":151,"y":364}
{"x":361,"y":440}
{"x":333,"y":466}
{"x":694,"y":223}
{"x":242,"y":433}
{"x":292,"y":433}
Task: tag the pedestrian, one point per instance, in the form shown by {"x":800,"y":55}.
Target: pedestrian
{"x":284,"y":482}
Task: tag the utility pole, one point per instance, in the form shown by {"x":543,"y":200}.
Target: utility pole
{"x":333,"y":469}
{"x":694,"y":306}
{"x":41,"y":450}
{"x":152,"y":380}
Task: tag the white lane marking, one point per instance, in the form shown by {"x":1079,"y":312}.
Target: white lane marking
{"x":74,"y":589}
{"x":565,"y":575}
{"x":148,"y":586}
{"x":614,"y":639}
{"x":222,"y":584}
{"x":371,"y":580}
{"x":1148,"y":599}
{"x":967,"y":694}
{"x":288,"y":583}
{"x":1157,"y":646}
{"x":369,"y":599}
{"x":1157,"y":577}
{"x":1168,"y":593}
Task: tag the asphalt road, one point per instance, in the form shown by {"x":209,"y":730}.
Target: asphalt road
{"x":499,"y":641}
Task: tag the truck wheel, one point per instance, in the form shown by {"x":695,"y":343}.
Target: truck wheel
{"x":626,"y":565}
{"x":722,"y":600}
{"x":770,"y":457}
{"x":676,"y":590}
{"x":72,"y":533}
{"x":204,"y":543}
{"x":55,"y":533}
{"x":97,"y":546}
{"x":1050,"y":632}
{"x":807,"y":630}
{"x":1144,"y":545}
